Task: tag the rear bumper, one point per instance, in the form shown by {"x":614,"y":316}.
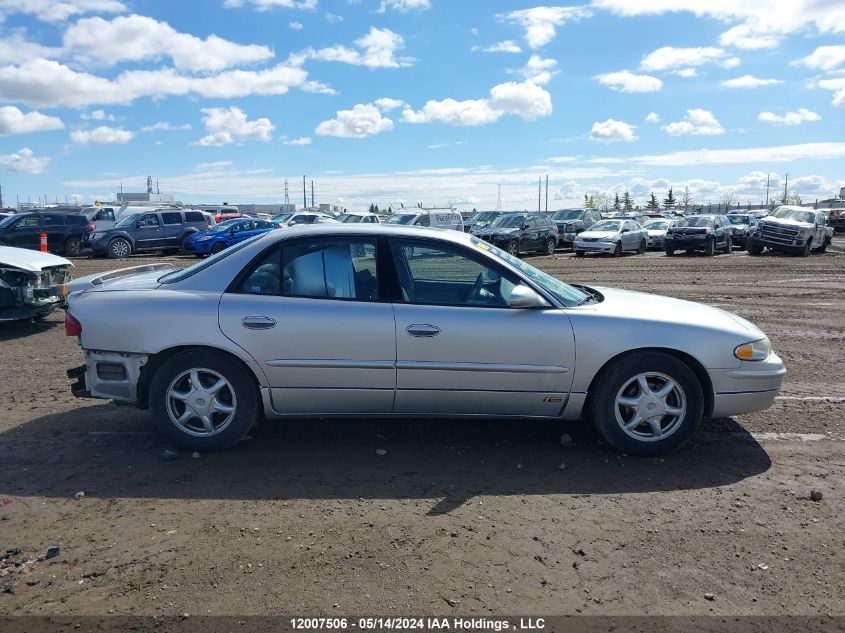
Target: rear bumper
{"x":109,"y":375}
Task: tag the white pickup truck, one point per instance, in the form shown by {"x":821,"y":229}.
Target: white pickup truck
{"x":792,"y":229}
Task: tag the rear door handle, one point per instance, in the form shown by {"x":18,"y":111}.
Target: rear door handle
{"x":258,"y":322}
{"x":423,"y":330}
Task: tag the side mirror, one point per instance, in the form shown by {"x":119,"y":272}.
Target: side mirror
{"x":624,"y":230}
{"x":139,"y":224}
{"x":524,"y":226}
{"x":524,"y":297}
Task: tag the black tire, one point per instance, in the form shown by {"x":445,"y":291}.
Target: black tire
{"x":729,"y":245}
{"x":617,"y":252}
{"x":807,"y":248}
{"x":669,"y":251}
{"x":550,"y":246}
{"x":641,"y":249}
{"x":183,"y":242}
{"x":602,"y":406}
{"x":823,"y":247}
{"x":119,"y":248}
{"x":242,"y":384}
{"x":754,"y":249}
{"x":220,"y":246}
{"x":579,"y":253}
{"x":710,"y":247}
{"x":73,"y":247}
{"x":513,"y":248}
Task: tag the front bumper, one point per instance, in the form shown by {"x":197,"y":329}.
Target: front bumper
{"x":98,"y":246}
{"x":686,"y":243}
{"x":109,"y":375}
{"x":795,"y":245}
{"x":656,"y":241}
{"x":594,"y":247}
{"x":751,"y":387}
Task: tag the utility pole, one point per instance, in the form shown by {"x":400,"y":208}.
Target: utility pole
{"x":539,"y":192}
{"x":287,"y":198}
{"x":499,"y":199}
{"x":767,"y":190}
{"x":1,"y":196}
{"x":304,"y":198}
{"x":547,"y":193}
{"x":785,"y":188}
{"x":312,"y":195}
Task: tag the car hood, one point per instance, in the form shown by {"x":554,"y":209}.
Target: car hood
{"x":639,"y":305}
{"x":133,"y":278}
{"x":786,"y":222}
{"x":32,"y":261}
{"x":656,"y":232}
{"x":501,"y":231}
{"x":602,"y":235}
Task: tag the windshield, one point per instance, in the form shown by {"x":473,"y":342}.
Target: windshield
{"x":568,"y":215}
{"x":654,"y":225}
{"x":606,"y":225}
{"x":700,"y":220}
{"x":794,"y":214}
{"x":739,"y":219}
{"x":566,"y":294}
{"x":483,"y":216}
{"x":401,"y":218}
{"x":509,"y":222}
{"x":282,"y":218}
{"x":347,"y":218}
{"x":179,"y":275}
{"x":7,"y":221}
{"x":224,"y":226}
{"x":128,"y":220}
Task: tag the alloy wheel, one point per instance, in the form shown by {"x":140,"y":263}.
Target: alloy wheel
{"x":201,"y":402}
{"x":650,"y":406}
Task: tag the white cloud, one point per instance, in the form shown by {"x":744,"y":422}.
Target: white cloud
{"x":333,"y":18}
{"x":612,"y":130}
{"x":743,"y":36}
{"x":164,"y":126}
{"x":364,"y":119}
{"x":670,"y":58}
{"x":386,"y":104}
{"x":296,"y":26}
{"x":59,"y":10}
{"x":824,"y":58}
{"x":97,"y":115}
{"x":442,"y":145}
{"x":838,"y":85}
{"x":302,"y":140}
{"x":267,"y":5}
{"x":652,"y":117}
{"x":15,"y":48}
{"x":24,"y":160}
{"x":540,"y":22}
{"x":95,"y":40}
{"x":505,"y":46}
{"x":749,"y":81}
{"x":526,"y":100}
{"x":538,"y":69}
{"x":762,"y":155}
{"x":13,"y":121}
{"x":685,"y":73}
{"x":790,"y":118}
{"x":696,"y":121}
{"x":377,"y":49}
{"x":624,"y":81}
{"x":48,"y":83}
{"x":403,"y":6}
{"x":230,"y":125}
{"x":103,"y":135}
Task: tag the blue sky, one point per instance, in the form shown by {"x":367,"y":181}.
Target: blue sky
{"x":433,"y":101}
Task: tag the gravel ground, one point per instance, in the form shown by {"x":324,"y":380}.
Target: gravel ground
{"x":476,"y":517}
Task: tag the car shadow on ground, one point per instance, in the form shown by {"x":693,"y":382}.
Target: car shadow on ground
{"x":11,"y":330}
{"x":109,"y":451}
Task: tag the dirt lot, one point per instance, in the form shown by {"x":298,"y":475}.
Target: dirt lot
{"x":460,"y":517}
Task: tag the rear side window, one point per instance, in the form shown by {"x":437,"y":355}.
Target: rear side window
{"x":172,"y":217}
{"x":148,"y":219}
{"x":331,"y":268}
{"x":54,"y":220}
{"x":106,"y":215}
{"x":194,"y":216}
{"x":424,"y":220}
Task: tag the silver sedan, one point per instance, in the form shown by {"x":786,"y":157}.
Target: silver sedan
{"x":613,"y":237}
{"x":336,"y":319}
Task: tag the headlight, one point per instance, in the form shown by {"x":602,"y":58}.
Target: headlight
{"x":205,"y":238}
{"x":96,"y":236}
{"x":756,"y":350}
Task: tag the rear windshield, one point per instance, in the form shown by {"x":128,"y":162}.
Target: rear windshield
{"x":179,"y":275}
{"x":401,"y":218}
{"x":739,"y":219}
{"x":568,"y":215}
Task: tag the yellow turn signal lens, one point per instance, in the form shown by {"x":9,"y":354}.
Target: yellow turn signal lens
{"x":755,"y":350}
{"x":744,"y":352}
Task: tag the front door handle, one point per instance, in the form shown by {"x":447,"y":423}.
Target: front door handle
{"x":258,"y":323}
{"x":422,"y":329}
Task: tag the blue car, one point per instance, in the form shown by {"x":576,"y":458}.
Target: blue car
{"x":225,"y":234}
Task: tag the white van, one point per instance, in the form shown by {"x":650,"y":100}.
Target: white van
{"x":435,"y":218}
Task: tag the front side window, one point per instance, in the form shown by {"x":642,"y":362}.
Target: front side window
{"x":149,"y":219}
{"x":29,"y":222}
{"x":445,"y":275}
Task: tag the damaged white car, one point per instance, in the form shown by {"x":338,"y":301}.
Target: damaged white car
{"x":32,"y":284}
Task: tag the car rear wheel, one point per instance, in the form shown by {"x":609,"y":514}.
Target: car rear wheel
{"x":513,"y":248}
{"x":203,"y":400}
{"x":710,"y":247}
{"x":754,"y":249}
{"x":218,"y":247}
{"x":119,"y":248}
{"x":823,"y":247}
{"x":646,"y":403}
{"x":550,"y":246}
{"x":73,"y":247}
{"x":579,"y":253}
{"x":729,"y":245}
{"x":670,"y":251}
{"x":641,"y":249}
{"x":617,"y":252}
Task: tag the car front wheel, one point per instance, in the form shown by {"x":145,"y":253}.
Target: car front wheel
{"x":710,"y":247}
{"x":203,"y":400}
{"x":513,"y":248}
{"x":646,"y":403}
{"x":641,"y":249}
{"x":617,"y":252}
{"x":119,"y":248}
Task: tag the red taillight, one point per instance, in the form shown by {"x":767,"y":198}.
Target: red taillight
{"x":72,"y":326}
{"x":90,"y":227}
{"x":207,"y":226}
